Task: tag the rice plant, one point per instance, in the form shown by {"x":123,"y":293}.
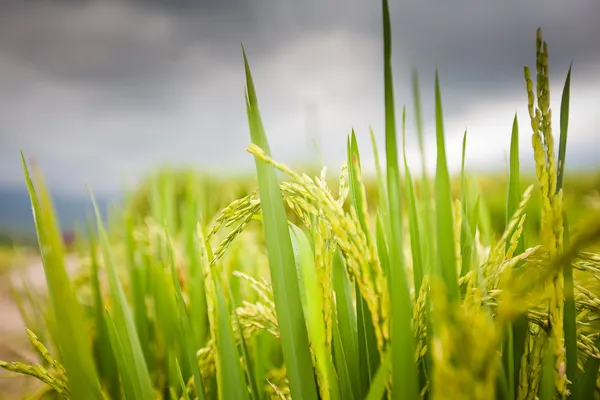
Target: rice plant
{"x":301,"y":289}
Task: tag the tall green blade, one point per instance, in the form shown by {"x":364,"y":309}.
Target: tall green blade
{"x":357,"y":194}
{"x":346,"y":323}
{"x":381,"y":185}
{"x":413,"y":216}
{"x":367,"y":344}
{"x":564,"y":125}
{"x":382,"y":249}
{"x":124,"y":322}
{"x":313,"y":311}
{"x":105,"y":360}
{"x":186,"y":340}
{"x":346,"y":386}
{"x":288,"y":306}
{"x":197,"y":308}
{"x":467,"y":240}
{"x":137,"y":275}
{"x":72,"y":332}
{"x":404,"y":372}
{"x":587,"y":381}
{"x":570,"y":313}
{"x":377,"y":389}
{"x":233,"y":384}
{"x":446,"y":261}
{"x":127,"y":380}
{"x":182,"y":385}
{"x":547,"y":383}
{"x":427,"y":208}
{"x":517,"y":330}
{"x":514,"y":182}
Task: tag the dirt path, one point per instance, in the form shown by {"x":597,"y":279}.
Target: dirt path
{"x":14,"y":344}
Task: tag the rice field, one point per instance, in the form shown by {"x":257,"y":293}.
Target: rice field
{"x":312,"y":287}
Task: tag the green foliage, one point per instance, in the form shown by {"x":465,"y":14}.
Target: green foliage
{"x":311,"y":288}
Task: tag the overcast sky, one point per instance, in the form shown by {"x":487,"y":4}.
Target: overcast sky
{"x":101,"y":91}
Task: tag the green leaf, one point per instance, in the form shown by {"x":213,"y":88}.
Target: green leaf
{"x":404,"y":372}
{"x":105,"y":360}
{"x":357,"y":190}
{"x":367,"y":343}
{"x":446,"y":261}
{"x":182,"y":384}
{"x":346,"y":385}
{"x":547,"y":383}
{"x":133,"y":356}
{"x":377,"y":389}
{"x":427,"y":209}
{"x":467,"y":236}
{"x":232,"y":383}
{"x":517,"y":330}
{"x":125,"y":372}
{"x":570,"y":313}
{"x":198,"y":313}
{"x":564,"y":125}
{"x":514,"y":183}
{"x":382,"y":249}
{"x":137,"y":276}
{"x":381,"y":186}
{"x":346,"y":323}
{"x":72,"y":329}
{"x":288,"y":306}
{"x":587,"y":381}
{"x":186,"y":340}
{"x":413,"y":217}
{"x":313,"y":309}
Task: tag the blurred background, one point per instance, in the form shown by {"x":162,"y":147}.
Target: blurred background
{"x":107,"y":93}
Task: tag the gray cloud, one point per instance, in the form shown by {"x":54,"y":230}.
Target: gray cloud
{"x":102,"y":90}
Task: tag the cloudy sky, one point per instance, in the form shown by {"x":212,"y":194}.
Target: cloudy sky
{"x":101,"y":91}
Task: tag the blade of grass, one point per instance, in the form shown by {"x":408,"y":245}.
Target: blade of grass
{"x":233,"y":384}
{"x":467,"y":240}
{"x":517,"y":330}
{"x":367,"y":345}
{"x":367,"y":348}
{"x":377,"y":390}
{"x":570,"y":313}
{"x":294,"y":336}
{"x":197,"y":296}
{"x":105,"y":359}
{"x":382,"y":249}
{"x":313,"y":311}
{"x":404,"y":372}
{"x":446,"y":261}
{"x":547,"y":383}
{"x":185,"y":394}
{"x":564,"y":125}
{"x":514,"y":183}
{"x":381,"y":185}
{"x":587,"y":381}
{"x":123,"y":321}
{"x":346,"y":322}
{"x":72,"y":327}
{"x":341,"y":363}
{"x":185,"y":330}
{"x":413,"y":217}
{"x":127,"y":380}
{"x":427,"y":212}
{"x":137,"y":278}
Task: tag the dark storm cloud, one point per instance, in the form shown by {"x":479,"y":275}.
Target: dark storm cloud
{"x":115,"y":86}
